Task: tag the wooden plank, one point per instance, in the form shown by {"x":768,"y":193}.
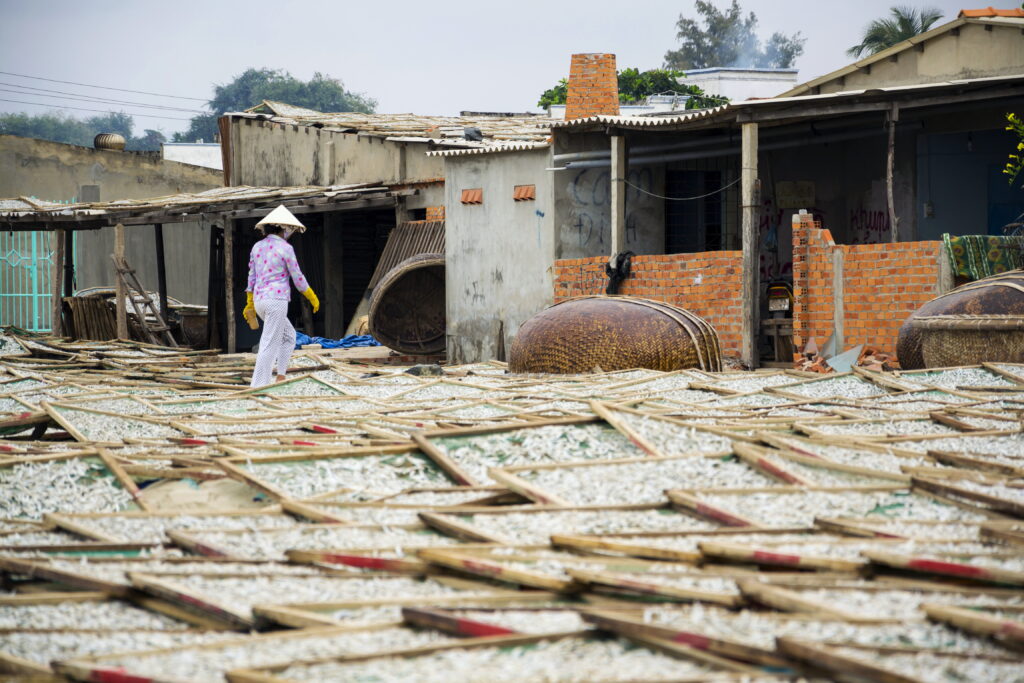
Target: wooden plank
{"x":56,"y":276}
{"x":119,"y":288}
{"x":891,"y":119}
{"x":161,"y":268}
{"x":229,"y":282}
{"x":751,"y":243}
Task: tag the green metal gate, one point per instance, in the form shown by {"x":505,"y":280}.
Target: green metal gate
{"x":25,"y":277}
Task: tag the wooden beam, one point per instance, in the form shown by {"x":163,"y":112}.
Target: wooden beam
{"x":618,"y":195}
{"x":119,"y":288}
{"x":751,"y":253}
{"x":69,"y":262}
{"x":229,"y":282}
{"x":890,"y":160}
{"x":56,"y":287}
{"x":161,"y":269}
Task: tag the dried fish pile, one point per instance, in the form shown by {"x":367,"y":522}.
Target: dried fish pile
{"x":350,"y":491}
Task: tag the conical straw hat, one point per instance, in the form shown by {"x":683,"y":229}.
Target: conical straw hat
{"x":283,"y":217}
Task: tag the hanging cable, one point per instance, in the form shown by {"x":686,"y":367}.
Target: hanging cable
{"x":96,"y":100}
{"x":101,"y":111}
{"x":677,"y":199}
{"x":103,"y":87}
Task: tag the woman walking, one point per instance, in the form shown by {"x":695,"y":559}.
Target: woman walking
{"x":271,"y":262}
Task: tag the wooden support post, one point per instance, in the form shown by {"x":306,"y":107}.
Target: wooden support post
{"x":618,"y":196}
{"x":69,"y":262}
{"x":892,"y":117}
{"x":161,"y":269}
{"x":57,"y":273}
{"x":751,"y":252}
{"x":119,"y":288}
{"x":229,"y":281}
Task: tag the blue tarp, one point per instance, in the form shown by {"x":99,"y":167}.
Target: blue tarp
{"x":348,"y":342}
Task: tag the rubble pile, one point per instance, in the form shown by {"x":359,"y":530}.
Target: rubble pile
{"x":159,"y":520}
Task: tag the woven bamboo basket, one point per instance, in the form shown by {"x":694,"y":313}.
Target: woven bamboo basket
{"x":614,"y":333}
{"x":997,"y":295}
{"x":407,"y":308}
{"x":948,"y":340}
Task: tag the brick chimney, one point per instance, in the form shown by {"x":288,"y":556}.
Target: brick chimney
{"x":593,"y":86}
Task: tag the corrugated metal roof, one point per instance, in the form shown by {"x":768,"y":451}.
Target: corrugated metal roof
{"x":439,"y":130}
{"x":992,"y":12}
{"x":490,"y":149}
{"x":728,"y":112}
{"x":24,"y":207}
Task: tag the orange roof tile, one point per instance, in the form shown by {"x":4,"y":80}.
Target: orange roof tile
{"x":990,"y":12}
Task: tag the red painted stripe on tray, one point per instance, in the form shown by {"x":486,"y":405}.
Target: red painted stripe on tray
{"x":720,"y":515}
{"x":473,"y":565}
{"x":303,"y":443}
{"x":118,"y":675}
{"x":209,"y":551}
{"x":479,"y":629}
{"x":323,"y":430}
{"x":193,"y":442}
{"x":954,"y":568}
{"x":1011,"y":628}
{"x":777,"y":471}
{"x":360,"y":561}
{"x":692,"y":639}
{"x":775,"y":558}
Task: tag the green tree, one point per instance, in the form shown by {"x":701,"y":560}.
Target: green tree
{"x":1015,"y":165}
{"x":636,"y":85}
{"x":252,"y":86}
{"x":60,"y":127}
{"x":903,"y":23}
{"x":729,"y":39}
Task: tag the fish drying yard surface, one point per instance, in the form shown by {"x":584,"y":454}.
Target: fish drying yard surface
{"x":160,"y":521}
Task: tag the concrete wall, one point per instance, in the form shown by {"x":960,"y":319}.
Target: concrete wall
{"x":186,"y":259}
{"x":499,"y":254}
{"x":266,"y":153}
{"x":974,"y":53}
{"x":582,"y":205}
{"x":205,"y":154}
{"x":741,"y":84}
{"x":55,"y":171}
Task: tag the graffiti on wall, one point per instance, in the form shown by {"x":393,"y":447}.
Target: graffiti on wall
{"x":590,"y":191}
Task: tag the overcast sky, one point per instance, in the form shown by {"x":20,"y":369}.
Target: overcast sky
{"x":421,"y":57}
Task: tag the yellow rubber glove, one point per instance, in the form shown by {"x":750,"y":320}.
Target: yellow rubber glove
{"x":249,"y":312}
{"x":311,"y":296}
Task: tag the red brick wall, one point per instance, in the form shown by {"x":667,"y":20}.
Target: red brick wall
{"x":593,"y":86}
{"x":882,"y":284}
{"x":435,"y":213}
{"x":672,"y":278}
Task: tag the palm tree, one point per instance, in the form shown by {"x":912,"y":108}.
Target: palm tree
{"x":905,"y":22}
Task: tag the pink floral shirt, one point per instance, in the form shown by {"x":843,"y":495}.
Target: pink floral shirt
{"x":271,"y":261}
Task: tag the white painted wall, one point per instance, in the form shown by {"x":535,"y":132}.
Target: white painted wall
{"x":741,"y":84}
{"x":205,"y":154}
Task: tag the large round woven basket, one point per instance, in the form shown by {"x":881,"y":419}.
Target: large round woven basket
{"x":948,"y":340}
{"x":997,"y":295}
{"x":407,"y":308}
{"x":614,"y":333}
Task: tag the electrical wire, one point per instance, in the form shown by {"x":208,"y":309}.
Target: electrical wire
{"x":678,"y":199}
{"x":103,"y":87}
{"x":77,"y":95}
{"x":101,"y":111}
{"x":98,"y":100}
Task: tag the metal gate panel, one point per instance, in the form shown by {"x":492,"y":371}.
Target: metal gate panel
{"x":25,"y":279}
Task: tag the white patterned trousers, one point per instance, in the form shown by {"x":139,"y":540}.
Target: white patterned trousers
{"x":276,"y":342}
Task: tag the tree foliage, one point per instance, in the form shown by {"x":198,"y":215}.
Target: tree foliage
{"x":636,"y":85}
{"x":729,"y":39}
{"x":903,"y":23}
{"x":62,"y":127}
{"x":1015,"y":165}
{"x":251,"y":87}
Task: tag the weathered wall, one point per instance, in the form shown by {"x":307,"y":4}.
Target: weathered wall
{"x":861,"y":292}
{"x":706,"y":283}
{"x":974,"y":53}
{"x":55,"y":171}
{"x":499,"y":253}
{"x":186,"y":259}
{"x":267,"y":153}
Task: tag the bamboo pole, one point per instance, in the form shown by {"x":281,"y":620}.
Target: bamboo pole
{"x":892,"y":118}
{"x":751,"y":256}
{"x":119,"y":286}
{"x":229,"y":281}
{"x":618,"y":196}
{"x":57,"y":271}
